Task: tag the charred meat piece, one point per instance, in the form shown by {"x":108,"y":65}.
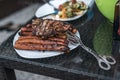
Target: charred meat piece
{"x":42,"y":30}
{"x":48,"y":28}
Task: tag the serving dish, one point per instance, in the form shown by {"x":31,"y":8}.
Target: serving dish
{"x":40,"y":54}
{"x":65,"y":19}
{"x":47,"y":9}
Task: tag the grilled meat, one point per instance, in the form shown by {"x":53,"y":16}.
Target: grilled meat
{"x":43,"y":42}
{"x":58,"y":38}
{"x":34,"y":43}
{"x":44,"y":34}
{"x":46,"y":47}
{"x":48,"y":28}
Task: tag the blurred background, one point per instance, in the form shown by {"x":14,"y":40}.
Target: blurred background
{"x":13,"y":13}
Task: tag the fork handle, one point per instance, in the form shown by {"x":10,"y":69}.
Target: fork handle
{"x":94,"y":53}
{"x":100,"y":60}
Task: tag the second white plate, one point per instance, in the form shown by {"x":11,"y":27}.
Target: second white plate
{"x":47,"y":9}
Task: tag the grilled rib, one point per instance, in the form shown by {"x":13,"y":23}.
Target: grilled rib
{"x":46,"y":47}
{"x":40,"y":41}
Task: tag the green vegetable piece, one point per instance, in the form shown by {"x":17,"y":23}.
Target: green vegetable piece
{"x":69,"y":14}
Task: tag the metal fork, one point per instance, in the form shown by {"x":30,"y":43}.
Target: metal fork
{"x":103,"y":61}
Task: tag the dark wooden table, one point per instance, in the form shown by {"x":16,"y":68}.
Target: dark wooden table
{"x":77,"y":65}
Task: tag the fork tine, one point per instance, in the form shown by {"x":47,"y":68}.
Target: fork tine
{"x":72,"y":38}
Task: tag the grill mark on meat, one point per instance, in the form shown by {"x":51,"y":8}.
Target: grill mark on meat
{"x":47,"y":30}
{"x":37,"y":28}
{"x":50,"y":24}
{"x":43,"y":26}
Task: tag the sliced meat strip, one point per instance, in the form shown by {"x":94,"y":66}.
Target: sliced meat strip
{"x":41,"y":47}
{"x":58,"y":39}
{"x":39,"y":41}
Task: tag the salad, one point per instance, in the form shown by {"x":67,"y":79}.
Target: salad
{"x":71,"y":8}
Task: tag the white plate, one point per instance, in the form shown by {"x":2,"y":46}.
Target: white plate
{"x":40,"y":54}
{"x":47,"y":9}
{"x":66,"y":19}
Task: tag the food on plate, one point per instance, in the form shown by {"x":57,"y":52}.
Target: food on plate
{"x":44,"y":35}
{"x":48,"y":28}
{"x":71,"y":8}
{"x":36,"y":43}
